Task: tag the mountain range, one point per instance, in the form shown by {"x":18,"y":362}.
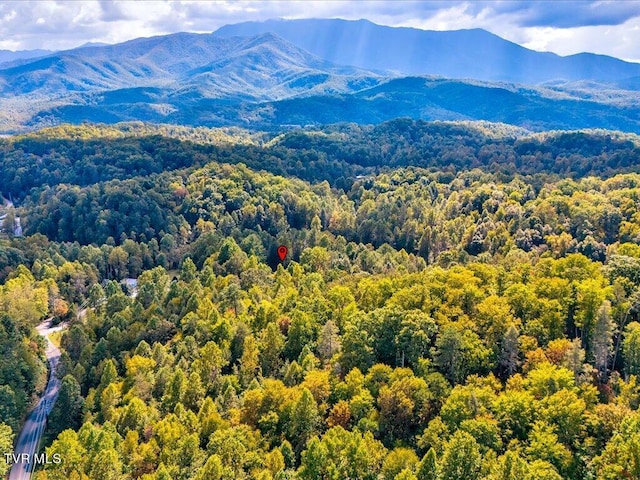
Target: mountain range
{"x":249,"y":67}
{"x":302,"y":72}
{"x":473,"y":54}
{"x":9,"y":55}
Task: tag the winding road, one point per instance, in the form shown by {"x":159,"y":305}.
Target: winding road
{"x":34,"y":427}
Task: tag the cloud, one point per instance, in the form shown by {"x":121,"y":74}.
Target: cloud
{"x":569,"y":14}
{"x":565,"y":27}
{"x":112,"y":11}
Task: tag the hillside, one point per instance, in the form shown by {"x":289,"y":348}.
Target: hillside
{"x":317,"y":99}
{"x":337,"y":154}
{"x":459,"y":301}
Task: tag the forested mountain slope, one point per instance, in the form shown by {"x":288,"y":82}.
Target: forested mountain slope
{"x":86,"y":155}
{"x":318,"y":100}
{"x":459,"y":301}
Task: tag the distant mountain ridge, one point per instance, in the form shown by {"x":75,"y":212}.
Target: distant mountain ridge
{"x":221,"y":66}
{"x":267,"y":82}
{"x":475,"y":53}
{"x":9,"y":55}
{"x":411,"y":97}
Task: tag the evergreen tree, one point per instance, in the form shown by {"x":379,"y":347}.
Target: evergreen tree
{"x":329,"y":342}
{"x":428,"y":467}
{"x":67,"y":412}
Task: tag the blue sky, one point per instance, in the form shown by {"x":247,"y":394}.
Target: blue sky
{"x":561,"y":26}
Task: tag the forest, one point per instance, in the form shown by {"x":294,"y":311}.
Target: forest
{"x":459,"y":301}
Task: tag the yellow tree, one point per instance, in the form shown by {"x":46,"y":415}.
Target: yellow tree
{"x":24,"y":299}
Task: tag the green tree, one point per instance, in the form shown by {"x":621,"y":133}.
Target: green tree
{"x":631,"y":348}
{"x":249,"y":363}
{"x":194,"y":392}
{"x":602,"y":340}
{"x":357,"y":349}
{"x":175,"y":391}
{"x":304,"y":420}
{"x":270,"y":346}
{"x":106,"y":465}
{"x":544,"y":445}
{"x":459,"y":354}
{"x":510,"y":467}
{"x":343,"y":454}
{"x":133,"y":418}
{"x":68,"y":447}
{"x":23,"y":299}
{"x":188,"y":270}
{"x":211,"y":470}
{"x":117,"y":263}
{"x":6,"y":446}
{"x":329,"y":342}
{"x":9,"y":411}
{"x":67,"y":412}
{"x":461,"y":459}
{"x":398,"y":460}
{"x":428,"y":466}
{"x":621,"y":456}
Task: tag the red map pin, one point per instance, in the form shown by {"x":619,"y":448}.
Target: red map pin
{"x":282,"y":252}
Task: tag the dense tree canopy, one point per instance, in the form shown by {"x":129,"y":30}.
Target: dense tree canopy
{"x":478,"y":320}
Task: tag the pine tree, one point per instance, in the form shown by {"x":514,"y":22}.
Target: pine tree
{"x":106,"y":466}
{"x":194,"y":393}
{"x":187,"y":270}
{"x":271,"y":345}
{"x":67,"y":411}
{"x":329,"y":341}
{"x":510,"y":467}
{"x":174,"y":392}
{"x":288,"y":454}
{"x":162,"y":473}
{"x":428,"y":468}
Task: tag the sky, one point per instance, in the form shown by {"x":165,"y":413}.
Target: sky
{"x":561,"y":26}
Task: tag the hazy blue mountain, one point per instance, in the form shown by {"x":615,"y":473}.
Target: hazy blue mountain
{"x":475,"y":53}
{"x":533,"y":108}
{"x":9,"y":56}
{"x":441,"y":99}
{"x":632,"y":83}
{"x":266,"y":82}
{"x":94,"y":44}
{"x":265,"y":66}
